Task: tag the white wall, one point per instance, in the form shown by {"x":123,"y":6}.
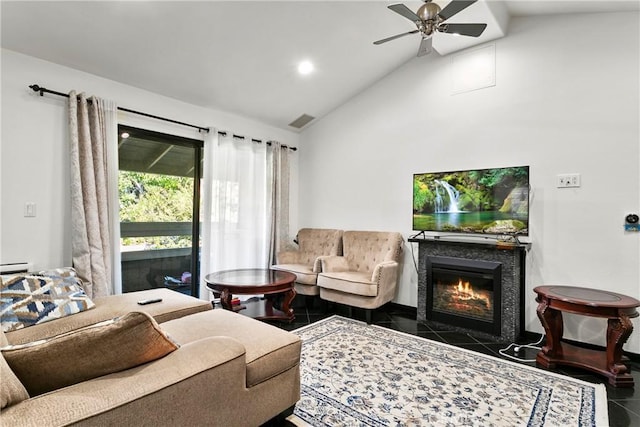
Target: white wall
{"x":34,"y":155}
{"x":566,"y":100}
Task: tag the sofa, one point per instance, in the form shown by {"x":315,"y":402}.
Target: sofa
{"x":174,"y":362}
{"x":304,"y":262}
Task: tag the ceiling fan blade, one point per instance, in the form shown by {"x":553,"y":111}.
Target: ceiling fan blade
{"x":404,"y":11}
{"x":473,"y":30}
{"x":397,"y":36}
{"x":454,"y":7}
{"x":425,"y":46}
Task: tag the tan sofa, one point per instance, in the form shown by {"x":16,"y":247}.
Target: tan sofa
{"x":366,"y":276}
{"x":303,"y":262}
{"x":173,"y":306}
{"x":229,"y":370}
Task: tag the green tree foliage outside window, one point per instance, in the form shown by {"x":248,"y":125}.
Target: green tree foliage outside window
{"x":146,"y":197}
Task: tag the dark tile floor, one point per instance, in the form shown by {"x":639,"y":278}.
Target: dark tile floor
{"x":624,"y":403}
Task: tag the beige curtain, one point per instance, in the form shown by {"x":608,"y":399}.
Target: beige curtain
{"x":90,"y":224}
{"x":279,"y":237}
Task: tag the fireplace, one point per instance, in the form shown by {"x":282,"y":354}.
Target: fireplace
{"x":464,"y":293}
{"x":478,"y":263}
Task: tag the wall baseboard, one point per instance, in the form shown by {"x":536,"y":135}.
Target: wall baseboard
{"x":16,"y":267}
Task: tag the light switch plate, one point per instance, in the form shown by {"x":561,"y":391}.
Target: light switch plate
{"x":29,"y":209}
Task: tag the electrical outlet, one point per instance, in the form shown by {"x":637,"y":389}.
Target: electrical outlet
{"x":568,"y":180}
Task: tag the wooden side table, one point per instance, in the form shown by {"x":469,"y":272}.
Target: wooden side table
{"x":553,"y":300}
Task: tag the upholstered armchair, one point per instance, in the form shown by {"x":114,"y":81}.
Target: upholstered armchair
{"x":366,"y":276}
{"x":303,"y":262}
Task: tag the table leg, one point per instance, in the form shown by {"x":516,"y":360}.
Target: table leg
{"x":286,"y":303}
{"x":553,"y":327}
{"x":618,"y":332}
{"x":225,"y":299}
{"x":215,"y":294}
{"x":269,"y":304}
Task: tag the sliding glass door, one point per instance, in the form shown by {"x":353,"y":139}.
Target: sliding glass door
{"x":159,"y":189}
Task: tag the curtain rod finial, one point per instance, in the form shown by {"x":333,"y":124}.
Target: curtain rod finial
{"x":37,"y":88}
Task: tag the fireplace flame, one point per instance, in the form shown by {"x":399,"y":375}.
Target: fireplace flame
{"x":464,"y":291}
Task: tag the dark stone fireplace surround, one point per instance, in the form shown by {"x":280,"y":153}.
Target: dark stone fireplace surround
{"x":512,"y":258}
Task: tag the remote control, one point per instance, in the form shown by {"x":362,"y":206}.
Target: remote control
{"x":149,"y":301}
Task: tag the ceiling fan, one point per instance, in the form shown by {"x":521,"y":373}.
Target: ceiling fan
{"x":429,"y":18}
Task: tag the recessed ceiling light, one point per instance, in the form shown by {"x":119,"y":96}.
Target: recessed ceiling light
{"x":124,"y":135}
{"x":305,"y":67}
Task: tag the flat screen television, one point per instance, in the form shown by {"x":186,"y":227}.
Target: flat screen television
{"x":482,"y":201}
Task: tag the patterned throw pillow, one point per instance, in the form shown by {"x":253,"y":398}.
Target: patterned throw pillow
{"x":89,"y":352}
{"x":27,"y":300}
{"x":58,"y":272}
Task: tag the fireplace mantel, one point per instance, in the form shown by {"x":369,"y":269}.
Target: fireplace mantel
{"x":510,"y":255}
{"x":482,"y":241}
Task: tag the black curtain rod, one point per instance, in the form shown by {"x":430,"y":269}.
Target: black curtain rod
{"x":42,"y":91}
{"x":259,"y":141}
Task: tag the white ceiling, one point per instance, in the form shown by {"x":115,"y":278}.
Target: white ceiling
{"x":241,"y":56}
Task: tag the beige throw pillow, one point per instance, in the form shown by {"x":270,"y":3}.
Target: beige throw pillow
{"x":11,"y":389}
{"x":90,"y":352}
{"x":3,"y":339}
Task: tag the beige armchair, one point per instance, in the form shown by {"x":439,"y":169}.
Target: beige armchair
{"x":312,"y":243}
{"x":366,"y":276}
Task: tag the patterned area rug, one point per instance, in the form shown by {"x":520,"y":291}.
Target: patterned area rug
{"x":354,"y":374}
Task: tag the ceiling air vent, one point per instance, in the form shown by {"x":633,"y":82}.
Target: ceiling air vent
{"x":301,"y":121}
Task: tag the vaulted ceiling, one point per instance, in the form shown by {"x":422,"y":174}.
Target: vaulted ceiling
{"x":242,"y":56}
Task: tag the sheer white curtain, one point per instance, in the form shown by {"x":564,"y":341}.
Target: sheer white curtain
{"x":235,"y":214}
{"x":113,"y":198}
{"x":94,"y":215}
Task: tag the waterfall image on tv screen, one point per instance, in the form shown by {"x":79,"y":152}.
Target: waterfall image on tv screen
{"x":486,"y":201}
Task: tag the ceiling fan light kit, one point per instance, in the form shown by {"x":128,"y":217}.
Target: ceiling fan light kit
{"x":428,"y":11}
{"x":430,"y":18}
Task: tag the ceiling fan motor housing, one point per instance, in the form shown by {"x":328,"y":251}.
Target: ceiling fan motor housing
{"x":428,"y":13}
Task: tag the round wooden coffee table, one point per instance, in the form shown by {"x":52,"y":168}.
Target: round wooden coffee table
{"x":553,"y":300}
{"x":250,"y":281}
